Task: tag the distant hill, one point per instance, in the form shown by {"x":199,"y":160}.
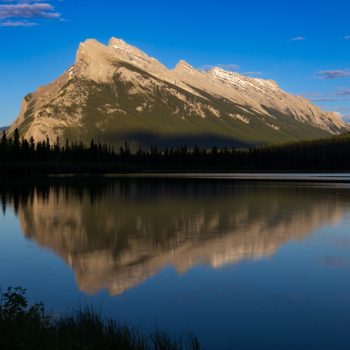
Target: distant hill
{"x":2,"y":128}
{"x":118,"y":93}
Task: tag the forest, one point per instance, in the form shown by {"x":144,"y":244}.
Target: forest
{"x":21,"y":156}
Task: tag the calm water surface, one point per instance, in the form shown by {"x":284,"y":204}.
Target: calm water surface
{"x":243,"y":265}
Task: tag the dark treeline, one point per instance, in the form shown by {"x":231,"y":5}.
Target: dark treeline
{"x":14,"y":149}
{"x":16,"y":154}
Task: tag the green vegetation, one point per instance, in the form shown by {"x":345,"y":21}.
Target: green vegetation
{"x":24,"y":327}
{"x":19,"y":156}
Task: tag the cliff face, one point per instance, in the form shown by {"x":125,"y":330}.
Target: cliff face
{"x":116,"y":93}
{"x":121,"y":236}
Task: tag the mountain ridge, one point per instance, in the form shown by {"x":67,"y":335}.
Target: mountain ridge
{"x":118,"y":93}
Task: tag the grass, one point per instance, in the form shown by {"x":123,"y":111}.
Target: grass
{"x":29,"y":327}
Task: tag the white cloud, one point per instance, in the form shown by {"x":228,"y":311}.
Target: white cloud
{"x":334,"y":96}
{"x":16,"y":13}
{"x":334,"y":74}
{"x":18,"y":24}
{"x":298,"y":38}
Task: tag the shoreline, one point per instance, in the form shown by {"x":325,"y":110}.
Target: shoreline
{"x":287,"y":177}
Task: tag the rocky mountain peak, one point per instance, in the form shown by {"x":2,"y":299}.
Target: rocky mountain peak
{"x":271,"y":82}
{"x":134,"y":55}
{"x":92,"y":61}
{"x":183,"y":65}
{"x":116,"y":91}
{"x":253,"y":86}
{"x":90,"y":47}
{"x":124,"y":48}
{"x":225,"y":75}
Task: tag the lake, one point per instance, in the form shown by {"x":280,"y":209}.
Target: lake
{"x":241,"y":264}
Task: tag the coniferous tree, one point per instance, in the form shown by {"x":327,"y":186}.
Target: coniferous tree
{"x":3,"y":142}
{"x":16,"y":140}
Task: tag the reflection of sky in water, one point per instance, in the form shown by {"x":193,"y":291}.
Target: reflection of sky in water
{"x":290,"y":287}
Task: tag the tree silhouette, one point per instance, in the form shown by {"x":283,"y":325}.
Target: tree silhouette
{"x":325,"y":154}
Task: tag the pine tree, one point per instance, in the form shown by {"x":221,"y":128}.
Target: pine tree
{"x":16,"y":140}
{"x":3,"y":142}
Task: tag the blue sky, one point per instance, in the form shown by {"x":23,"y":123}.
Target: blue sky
{"x":303,"y":45}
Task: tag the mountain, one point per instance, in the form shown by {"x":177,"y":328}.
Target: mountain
{"x":120,"y":234}
{"x":118,"y":93}
{"x":3,"y":128}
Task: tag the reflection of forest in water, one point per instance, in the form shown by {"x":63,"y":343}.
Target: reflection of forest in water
{"x":117,"y":233}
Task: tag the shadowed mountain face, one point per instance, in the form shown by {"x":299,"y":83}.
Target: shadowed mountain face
{"x":118,"y":93}
{"x":118,"y":234}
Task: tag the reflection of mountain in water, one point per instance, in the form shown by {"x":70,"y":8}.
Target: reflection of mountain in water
{"x":123,"y":233}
